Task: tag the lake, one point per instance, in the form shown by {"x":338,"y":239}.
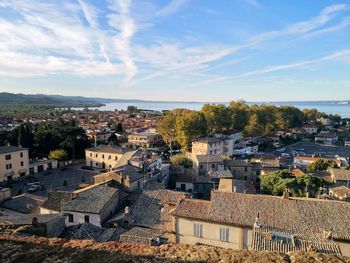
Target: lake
{"x":342,"y":109}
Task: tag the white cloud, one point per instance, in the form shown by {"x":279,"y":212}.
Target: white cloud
{"x":340,"y":55}
{"x":123,"y":22}
{"x":172,"y":7}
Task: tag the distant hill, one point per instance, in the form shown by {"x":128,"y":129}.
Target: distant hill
{"x":41,"y":99}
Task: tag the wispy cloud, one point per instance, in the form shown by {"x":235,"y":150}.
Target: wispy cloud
{"x":252,"y":2}
{"x":344,"y":54}
{"x":123,"y":22}
{"x":172,"y":7}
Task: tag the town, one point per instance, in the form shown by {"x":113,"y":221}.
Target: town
{"x":258,"y":177}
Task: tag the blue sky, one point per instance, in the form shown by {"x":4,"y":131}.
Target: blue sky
{"x":181,"y":50}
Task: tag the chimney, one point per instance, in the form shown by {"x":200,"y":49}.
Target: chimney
{"x":285,"y":194}
{"x":234,"y":189}
{"x":257,"y":223}
{"x":126,"y":210}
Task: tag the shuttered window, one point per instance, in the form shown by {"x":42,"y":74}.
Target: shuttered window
{"x":198,"y":229}
{"x":224,"y":234}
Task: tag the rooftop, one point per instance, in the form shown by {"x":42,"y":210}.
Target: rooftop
{"x":298,"y":215}
{"x":56,"y":199}
{"x":91,"y":199}
{"x":109,"y":149}
{"x":210,"y":158}
{"x":208,"y":140}
{"x":340,"y":174}
{"x":10,"y":149}
{"x":24,"y":203}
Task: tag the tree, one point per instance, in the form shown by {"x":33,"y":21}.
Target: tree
{"x":59,"y":155}
{"x":190,"y":126}
{"x":131,"y":109}
{"x":320,"y":165}
{"x":218,"y":117}
{"x":277,"y":182}
{"x":239,"y":114}
{"x":181,"y":160}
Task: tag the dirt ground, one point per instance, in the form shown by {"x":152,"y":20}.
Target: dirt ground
{"x":36,"y":249}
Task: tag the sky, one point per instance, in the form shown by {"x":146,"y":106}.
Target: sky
{"x":177,"y":50}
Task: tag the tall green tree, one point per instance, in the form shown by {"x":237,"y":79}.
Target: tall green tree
{"x":218,"y":117}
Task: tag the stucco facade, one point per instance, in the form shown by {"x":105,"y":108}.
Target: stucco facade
{"x":14,"y":162}
{"x":237,"y":237}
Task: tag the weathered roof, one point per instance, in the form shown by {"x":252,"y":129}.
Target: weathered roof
{"x":341,"y":190}
{"x":298,"y":215}
{"x":92,"y":199}
{"x":131,"y":172}
{"x":140,"y":235}
{"x":91,"y":232}
{"x":263,"y":241}
{"x":109,"y":149}
{"x":220,"y":174}
{"x":210,"y":158}
{"x":10,"y":149}
{"x":27,"y":219}
{"x":56,"y":199}
{"x":25,"y":203}
{"x":153,"y":206}
{"x":126,"y":157}
{"x":340,"y":174}
{"x":208,"y":140}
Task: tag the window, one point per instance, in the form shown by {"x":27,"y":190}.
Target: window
{"x":21,"y":154}
{"x":224,"y":234}
{"x":198,"y":229}
{"x":281,"y":237}
{"x":109,"y":157}
{"x":8,"y":157}
{"x":201,"y":166}
{"x":97,"y":164}
{"x":86,"y":219}
{"x":213,"y":165}
{"x":245,"y":178}
{"x":90,"y":154}
{"x":103,"y":156}
{"x":22,"y":164}
{"x":96,"y":155}
{"x":70,"y":218}
{"x":246,"y":169}
{"x":116,"y":158}
{"x":8,"y":166}
{"x":183,"y":187}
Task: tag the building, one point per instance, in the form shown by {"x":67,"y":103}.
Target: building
{"x":152,"y":209}
{"x":243,"y":170}
{"x":310,"y":129}
{"x":104,"y":156}
{"x":40,"y":166}
{"x":146,"y":236}
{"x":24,"y":203}
{"x":326,"y":138}
{"x":219,"y":144}
{"x":340,"y":192}
{"x":303,"y":161}
{"x":205,"y":163}
{"x":129,"y":176}
{"x":340,"y":176}
{"x":35,"y":224}
{"x":147,"y":139}
{"x":208,"y":146}
{"x":94,"y":204}
{"x":228,"y":219}
{"x":99,"y":136}
{"x":14,"y":162}
{"x":55,"y":201}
